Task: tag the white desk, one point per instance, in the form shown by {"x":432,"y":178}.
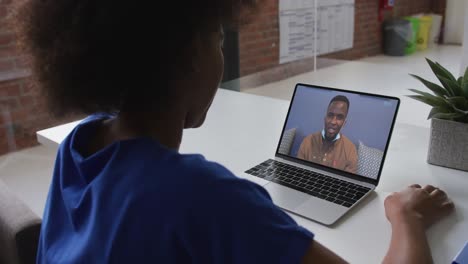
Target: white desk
{"x":242,"y":130}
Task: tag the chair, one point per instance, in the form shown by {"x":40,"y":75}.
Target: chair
{"x":19,"y":229}
{"x":369,"y":160}
{"x":287,"y":141}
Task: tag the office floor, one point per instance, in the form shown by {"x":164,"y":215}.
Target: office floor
{"x":28,"y":172}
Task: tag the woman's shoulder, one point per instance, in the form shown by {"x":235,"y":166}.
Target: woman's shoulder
{"x":192,"y":182}
{"x":186,"y":173}
{"x":195,"y":168}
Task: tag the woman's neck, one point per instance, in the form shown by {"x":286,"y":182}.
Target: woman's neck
{"x":166,"y":128}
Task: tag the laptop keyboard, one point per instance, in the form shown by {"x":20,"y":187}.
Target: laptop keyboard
{"x":318,"y":185}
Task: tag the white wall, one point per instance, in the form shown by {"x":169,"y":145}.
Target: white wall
{"x":464,"y":62}
{"x":454,"y":21}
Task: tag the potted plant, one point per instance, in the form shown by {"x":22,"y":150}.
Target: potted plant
{"x":448,"y":144}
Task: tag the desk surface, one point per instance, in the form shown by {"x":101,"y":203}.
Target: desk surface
{"x":242,"y":130}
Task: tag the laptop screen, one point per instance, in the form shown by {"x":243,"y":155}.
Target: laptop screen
{"x":343,"y":130}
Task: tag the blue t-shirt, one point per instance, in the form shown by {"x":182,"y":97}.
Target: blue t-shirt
{"x":136,"y":201}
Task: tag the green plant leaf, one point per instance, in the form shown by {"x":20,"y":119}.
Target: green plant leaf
{"x":459,"y":101}
{"x":428,"y":95}
{"x":447,"y":72}
{"x":440,"y":70}
{"x":436,"y":101}
{"x":431,"y":100}
{"x":461,"y":111}
{"x":459,"y":104}
{"x":437,"y":89}
{"x":438,"y":110}
{"x":448,"y":116}
{"x":464,"y":84}
{"x":452,"y":86}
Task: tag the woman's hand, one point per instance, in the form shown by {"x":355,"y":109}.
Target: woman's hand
{"x":418,"y":205}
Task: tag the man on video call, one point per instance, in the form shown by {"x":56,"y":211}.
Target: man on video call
{"x":329,"y":147}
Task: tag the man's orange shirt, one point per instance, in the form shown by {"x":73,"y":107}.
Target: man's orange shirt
{"x":340,"y":154}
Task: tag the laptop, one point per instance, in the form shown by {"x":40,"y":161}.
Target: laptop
{"x":331,"y":152}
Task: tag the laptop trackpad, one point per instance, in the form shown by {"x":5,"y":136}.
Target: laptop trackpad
{"x":285,"y":197}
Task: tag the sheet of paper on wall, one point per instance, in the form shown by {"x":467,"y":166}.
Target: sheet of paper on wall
{"x":298,"y":18}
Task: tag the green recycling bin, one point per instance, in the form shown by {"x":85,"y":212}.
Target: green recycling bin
{"x":412,"y":44}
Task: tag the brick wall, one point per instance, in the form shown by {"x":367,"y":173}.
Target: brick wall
{"x":22,"y":113}
{"x":22,"y":109}
{"x":10,"y":59}
{"x":439,"y":6}
{"x":259,"y":42}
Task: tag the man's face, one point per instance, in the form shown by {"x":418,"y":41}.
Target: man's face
{"x":335,"y":119}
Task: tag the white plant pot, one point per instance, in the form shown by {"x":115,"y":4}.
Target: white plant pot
{"x":448,"y":144}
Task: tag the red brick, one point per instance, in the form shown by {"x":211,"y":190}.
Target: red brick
{"x":6,"y":2}
{"x":4,"y":130}
{"x":9,"y":89}
{"x":3,"y":148}
{"x":21,"y":62}
{"x":8,"y":52}
{"x":5,"y":118}
{"x":26,"y":142}
{"x":27,"y":101}
{"x":7,"y":39}
{"x":7,"y":65}
{"x":8,"y":103}
{"x":28,"y":88}
{"x":272,"y":9}
{"x":3,"y":11}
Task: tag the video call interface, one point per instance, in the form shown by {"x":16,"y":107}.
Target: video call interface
{"x":341,"y":130}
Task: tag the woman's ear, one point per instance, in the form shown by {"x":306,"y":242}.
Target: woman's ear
{"x":188,"y":59}
{"x":195,"y":53}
